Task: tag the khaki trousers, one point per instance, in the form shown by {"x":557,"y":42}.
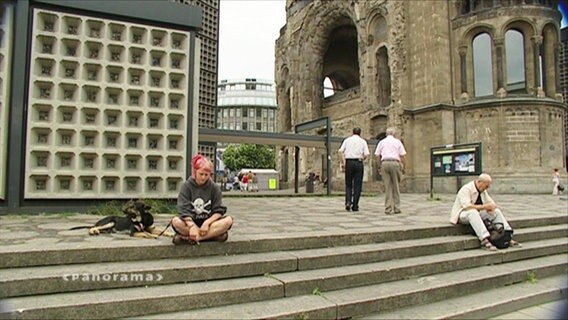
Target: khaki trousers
{"x":391,"y":172}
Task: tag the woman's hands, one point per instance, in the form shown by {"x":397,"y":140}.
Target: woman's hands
{"x":196,"y":233}
{"x":204,"y":229}
{"x":194,"y":230}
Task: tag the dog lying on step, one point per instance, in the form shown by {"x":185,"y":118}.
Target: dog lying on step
{"x":138,"y":222}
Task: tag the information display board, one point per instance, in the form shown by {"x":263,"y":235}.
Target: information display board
{"x":454,"y":160}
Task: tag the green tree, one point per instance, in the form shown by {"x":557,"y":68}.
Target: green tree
{"x":237,"y":157}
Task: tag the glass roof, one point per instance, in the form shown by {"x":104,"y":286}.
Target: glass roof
{"x":247,"y":100}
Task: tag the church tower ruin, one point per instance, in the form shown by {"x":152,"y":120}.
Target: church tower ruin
{"x":442,"y":72}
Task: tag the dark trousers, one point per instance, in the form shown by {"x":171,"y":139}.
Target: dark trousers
{"x":353,"y":182}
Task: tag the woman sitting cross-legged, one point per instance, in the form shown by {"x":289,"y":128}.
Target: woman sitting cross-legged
{"x":200,"y":207}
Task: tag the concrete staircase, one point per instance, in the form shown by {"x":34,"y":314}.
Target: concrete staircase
{"x":398,"y":274}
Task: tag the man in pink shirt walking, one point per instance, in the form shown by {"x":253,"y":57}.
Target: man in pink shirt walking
{"x":391,"y":161}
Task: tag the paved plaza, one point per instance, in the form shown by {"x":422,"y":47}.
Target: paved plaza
{"x":258,"y":217}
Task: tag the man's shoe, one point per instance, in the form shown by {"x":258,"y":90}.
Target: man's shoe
{"x":514,"y":243}
{"x":487,"y":245}
{"x":397,"y":212}
{"x":355,"y":209}
{"x":347,"y":207}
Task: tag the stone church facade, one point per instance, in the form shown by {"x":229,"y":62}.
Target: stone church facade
{"x":441,"y":72}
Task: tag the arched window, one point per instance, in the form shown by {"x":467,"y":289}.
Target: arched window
{"x":328,"y":89}
{"x":384,"y":77}
{"x":515,"y":55}
{"x":340,"y":61}
{"x":482,"y":65}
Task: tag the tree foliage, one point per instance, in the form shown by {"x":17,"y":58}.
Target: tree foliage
{"x":254,"y":156}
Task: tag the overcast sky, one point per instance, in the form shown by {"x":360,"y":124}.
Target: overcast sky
{"x":564,"y":9}
{"x":247,"y":33}
{"x":248,"y":30}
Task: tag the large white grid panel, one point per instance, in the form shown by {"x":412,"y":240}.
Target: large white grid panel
{"x":108,"y":108}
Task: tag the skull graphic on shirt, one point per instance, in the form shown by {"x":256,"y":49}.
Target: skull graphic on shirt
{"x":199,"y":206}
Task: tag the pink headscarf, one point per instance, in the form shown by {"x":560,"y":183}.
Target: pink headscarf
{"x":200,"y":162}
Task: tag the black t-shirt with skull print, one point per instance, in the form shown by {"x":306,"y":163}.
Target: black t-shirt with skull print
{"x":200,"y":202}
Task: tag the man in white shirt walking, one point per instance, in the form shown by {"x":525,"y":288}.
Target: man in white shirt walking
{"x":352,"y":154}
{"x":391,"y":161}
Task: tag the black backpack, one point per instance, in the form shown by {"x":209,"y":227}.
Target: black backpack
{"x":500,"y":237}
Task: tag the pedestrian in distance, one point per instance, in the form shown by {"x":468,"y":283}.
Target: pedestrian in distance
{"x":352,"y":154}
{"x":473,"y":206}
{"x":558,"y":187}
{"x":391,"y":163}
{"x":200,"y":207}
{"x":245,"y":182}
{"x":254,"y":183}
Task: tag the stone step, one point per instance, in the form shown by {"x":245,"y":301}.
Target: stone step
{"x":144,"y":249}
{"x":557,"y":309}
{"x":68,"y":278}
{"x":106,"y":275}
{"x":81,"y":277}
{"x":537,"y":221}
{"x":349,"y":255}
{"x":329,"y":279}
{"x":371,"y":299}
{"x":389,"y":296}
{"x":543,"y":232}
{"x":478,"y":306}
{"x":127,"y":302}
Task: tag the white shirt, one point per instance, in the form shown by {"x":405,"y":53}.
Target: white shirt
{"x":390,"y":148}
{"x":354,"y":147}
